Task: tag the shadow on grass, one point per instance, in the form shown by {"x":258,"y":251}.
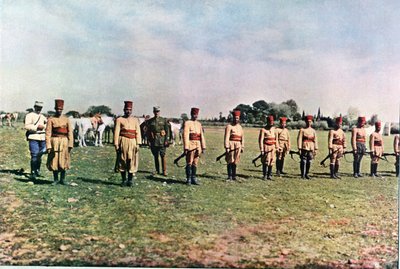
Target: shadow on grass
{"x":98,"y":181}
{"x":36,"y":181}
{"x":162,"y":180}
{"x":18,"y":172}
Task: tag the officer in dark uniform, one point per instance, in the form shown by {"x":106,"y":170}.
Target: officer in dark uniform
{"x":159,"y":135}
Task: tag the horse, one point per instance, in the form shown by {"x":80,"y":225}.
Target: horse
{"x":82,"y":128}
{"x":105,"y":124}
{"x":176,"y":132}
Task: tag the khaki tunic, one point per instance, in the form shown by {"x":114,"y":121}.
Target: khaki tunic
{"x":59,"y":157}
{"x":336,"y":144}
{"x":307,"y":139}
{"x":234,"y":142}
{"x":268,"y":143}
{"x":358,"y":135}
{"x":376,"y":146}
{"x":283,"y":142}
{"x":128,"y":148}
{"x":194,"y":147}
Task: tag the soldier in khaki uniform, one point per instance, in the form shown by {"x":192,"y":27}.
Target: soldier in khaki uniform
{"x":358,"y":139}
{"x":308,"y":145}
{"x":35,"y":125}
{"x":268,"y":143}
{"x":336,"y":146}
{"x":234,"y":144}
{"x":194,"y":144}
{"x":59,"y":143}
{"x":283,"y":145}
{"x":127,"y":138}
{"x":396,"y":149}
{"x":158,"y":133}
{"x":376,"y":146}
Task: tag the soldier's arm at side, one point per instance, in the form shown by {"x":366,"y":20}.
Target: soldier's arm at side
{"x":138,"y":132}
{"x":261,"y":140}
{"x":330,"y":139}
{"x":371,"y":142}
{"x":315,"y":140}
{"x":117,"y":130}
{"x":203,"y":139}
{"x":49,"y":128}
{"x":396,"y":144}
{"x":300,"y":139}
{"x":226,"y":136}
{"x":186,"y":135}
{"x":353,"y":139}
{"x":70,"y":134}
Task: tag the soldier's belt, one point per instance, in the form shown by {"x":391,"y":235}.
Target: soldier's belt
{"x":128,"y":133}
{"x":194,"y":136}
{"x":58,"y":132}
{"x":378,"y":143}
{"x":339,"y":142}
{"x":308,"y":139}
{"x":269,"y":141}
{"x":235,"y":138}
{"x":59,"y":135}
{"x":360,"y":140}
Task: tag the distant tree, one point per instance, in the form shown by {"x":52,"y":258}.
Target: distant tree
{"x":297,"y":116}
{"x":319,"y":114}
{"x":303,"y":116}
{"x":352,"y":113}
{"x":261,"y":105}
{"x":374,"y":118}
{"x":184,"y":117}
{"x":73,"y":113}
{"x":102,"y":109}
{"x":293,"y":107}
{"x":29,"y":110}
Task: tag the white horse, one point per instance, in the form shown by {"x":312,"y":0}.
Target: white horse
{"x":83,"y":126}
{"x":106,"y":124}
{"x":176,"y":133}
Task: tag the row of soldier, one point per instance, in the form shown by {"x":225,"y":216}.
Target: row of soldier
{"x":55,"y":136}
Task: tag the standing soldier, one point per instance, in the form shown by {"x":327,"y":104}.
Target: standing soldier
{"x":308,"y":145}
{"x":358,"y":139}
{"x":376,"y":146}
{"x":234,"y":144}
{"x":158,"y":135}
{"x":283,"y":146}
{"x":127,"y":138}
{"x":268,"y":143}
{"x":35,"y":125}
{"x":336,"y":146}
{"x":396,"y":148}
{"x":59,"y":143}
{"x":194,"y":144}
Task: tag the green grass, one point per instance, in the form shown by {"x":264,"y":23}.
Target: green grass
{"x":161,"y":222}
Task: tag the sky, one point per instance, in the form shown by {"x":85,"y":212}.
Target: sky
{"x":213,"y":55}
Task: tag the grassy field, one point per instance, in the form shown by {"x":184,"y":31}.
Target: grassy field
{"x":284,"y":223}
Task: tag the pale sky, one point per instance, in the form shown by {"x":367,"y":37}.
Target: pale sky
{"x":209,"y":54}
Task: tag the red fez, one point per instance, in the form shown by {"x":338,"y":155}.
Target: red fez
{"x":309,"y":117}
{"x":128,"y":104}
{"x":236,"y":113}
{"x":339,"y":120}
{"x":361,"y":119}
{"x":270,"y":119}
{"x":282,"y":119}
{"x":59,"y":104}
{"x":378,"y":124}
{"x":194,"y":111}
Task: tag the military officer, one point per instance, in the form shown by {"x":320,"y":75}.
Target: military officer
{"x":376,"y":147}
{"x":59,"y":143}
{"x":127,"y":138}
{"x":268,"y":143}
{"x":358,"y":139}
{"x":159,"y":136}
{"x":307,"y":144}
{"x":35,"y":125}
{"x":234,"y":144}
{"x":194,"y":144}
{"x":283,"y":145}
{"x":336,"y":146}
{"x":396,"y":149}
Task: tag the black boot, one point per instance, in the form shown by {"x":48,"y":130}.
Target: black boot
{"x":264,"y":171}
{"x":332,"y":170}
{"x":62,"y":178}
{"x":358,"y":169}
{"x":269,"y":176}
{"x":164,"y":166}
{"x":308,"y":164}
{"x":33,"y":170}
{"x":278,"y":167}
{"x":302,"y":168}
{"x":188,"y":170}
{"x":397,"y":166}
{"x":234,"y":171}
{"x":372,"y":174}
{"x":376,"y":170}
{"x":130,"y":180}
{"x":123,"y":177}
{"x":38,"y":164}
{"x":355,"y":170}
{"x":55,"y":176}
{"x":281,"y":170}
{"x":194,"y":179}
{"x":337,"y":171}
{"x":229,"y":168}
{"x":157,"y":164}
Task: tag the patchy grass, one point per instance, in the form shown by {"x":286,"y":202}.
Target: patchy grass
{"x":284,"y":223}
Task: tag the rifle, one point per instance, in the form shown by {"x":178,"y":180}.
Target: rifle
{"x":322,"y":163}
{"x":258,"y":157}
{"x":181,"y":156}
{"x":224,"y":154}
{"x":292,"y":152}
{"x":117,"y":159}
